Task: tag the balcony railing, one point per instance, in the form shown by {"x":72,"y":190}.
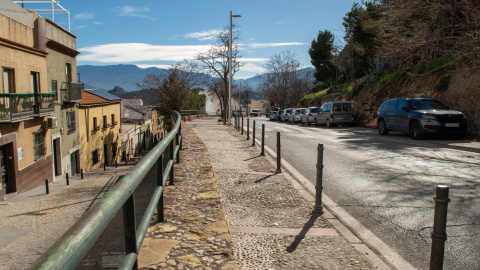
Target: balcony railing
{"x":45,"y":106}
{"x":16,"y":107}
{"x":71,"y":92}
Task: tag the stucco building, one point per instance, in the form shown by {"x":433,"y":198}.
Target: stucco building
{"x":100,"y":129}
{"x":26,"y":102}
{"x":60,"y":45}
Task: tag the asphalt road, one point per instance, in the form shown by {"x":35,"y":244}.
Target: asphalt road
{"x":388,"y":184}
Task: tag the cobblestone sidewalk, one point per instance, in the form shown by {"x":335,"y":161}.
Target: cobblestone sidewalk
{"x":270,"y":222}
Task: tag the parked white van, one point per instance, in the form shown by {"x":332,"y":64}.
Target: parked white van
{"x":335,"y":113}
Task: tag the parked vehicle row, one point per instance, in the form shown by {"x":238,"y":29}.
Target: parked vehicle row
{"x":329,"y":114}
{"x":417,"y":116}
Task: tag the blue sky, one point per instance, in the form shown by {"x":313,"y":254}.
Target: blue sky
{"x":160,"y":33}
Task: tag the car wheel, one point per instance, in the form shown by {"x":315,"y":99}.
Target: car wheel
{"x":316,"y":124}
{"x":382,"y":128}
{"x":416,"y":131}
{"x":328,"y":123}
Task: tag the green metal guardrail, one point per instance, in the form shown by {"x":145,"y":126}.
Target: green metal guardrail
{"x":190,"y":112}
{"x":68,"y":251}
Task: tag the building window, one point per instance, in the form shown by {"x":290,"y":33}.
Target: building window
{"x":71,"y":125}
{"x":54,"y":89}
{"x":95,"y":156}
{"x":39,"y":144}
{"x":8,"y":80}
{"x":113,"y":120}
{"x":95,"y":124}
{"x":105,"y":124}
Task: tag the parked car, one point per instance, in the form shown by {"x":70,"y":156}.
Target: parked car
{"x":335,"y":113}
{"x":420,"y":116}
{"x":255,"y":112}
{"x":279,"y":114}
{"x":296,"y":115}
{"x":285,"y":114}
{"x":273,"y":116}
{"x":269,"y":113}
{"x":309,"y":115}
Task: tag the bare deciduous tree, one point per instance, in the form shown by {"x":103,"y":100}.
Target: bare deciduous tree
{"x":170,"y":90}
{"x":283,"y":84}
{"x":215,"y":62}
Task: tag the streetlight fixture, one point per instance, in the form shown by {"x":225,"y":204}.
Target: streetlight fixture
{"x":230,"y":70}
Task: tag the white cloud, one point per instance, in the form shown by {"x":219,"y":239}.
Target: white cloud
{"x":205,"y":35}
{"x":137,"y":52}
{"x":80,"y":26}
{"x":129,"y":11}
{"x":98,"y":23}
{"x":252,"y":59}
{"x":271,"y":45}
{"x":84,"y":16}
{"x":252,"y":68}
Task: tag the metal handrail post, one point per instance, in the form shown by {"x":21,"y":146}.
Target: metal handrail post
{"x":253,"y":134}
{"x":160,"y":205}
{"x":177,"y":142}
{"x":319,"y":184}
{"x":129,"y":231}
{"x":248,"y":129}
{"x":279,"y":156}
{"x":439,"y":234}
{"x":242,"y":125}
{"x":263,"y":141}
{"x":172,"y":159}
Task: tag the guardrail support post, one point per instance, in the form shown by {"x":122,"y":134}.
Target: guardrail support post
{"x":242,"y":125}
{"x":116,"y":163}
{"x":248,"y":129}
{"x":279,"y":168}
{"x":46,"y":187}
{"x":81,"y":174}
{"x":170,"y":182}
{"x":129,"y":231}
{"x":319,"y":185}
{"x":235,"y":122}
{"x":105,"y":165}
{"x":177,"y":142}
{"x":66,"y":178}
{"x":160,"y":205}
{"x":263,"y":141}
{"x":253,"y":134}
{"x":439,"y":235}
{"x":180,"y":134}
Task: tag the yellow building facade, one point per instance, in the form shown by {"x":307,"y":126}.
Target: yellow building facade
{"x":100,"y":129}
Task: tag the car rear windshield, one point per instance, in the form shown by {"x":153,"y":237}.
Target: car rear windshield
{"x":347,"y":107}
{"x":314,"y":110}
{"x":288,"y":111}
{"x":426,"y":104}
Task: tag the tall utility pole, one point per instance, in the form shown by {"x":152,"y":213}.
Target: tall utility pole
{"x":230,"y":70}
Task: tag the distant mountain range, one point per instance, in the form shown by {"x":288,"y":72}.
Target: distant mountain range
{"x":126,"y":77}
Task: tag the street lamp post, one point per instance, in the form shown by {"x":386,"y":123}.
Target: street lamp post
{"x":230,"y":70}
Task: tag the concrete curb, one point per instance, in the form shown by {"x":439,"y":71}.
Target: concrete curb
{"x":379,"y":253}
